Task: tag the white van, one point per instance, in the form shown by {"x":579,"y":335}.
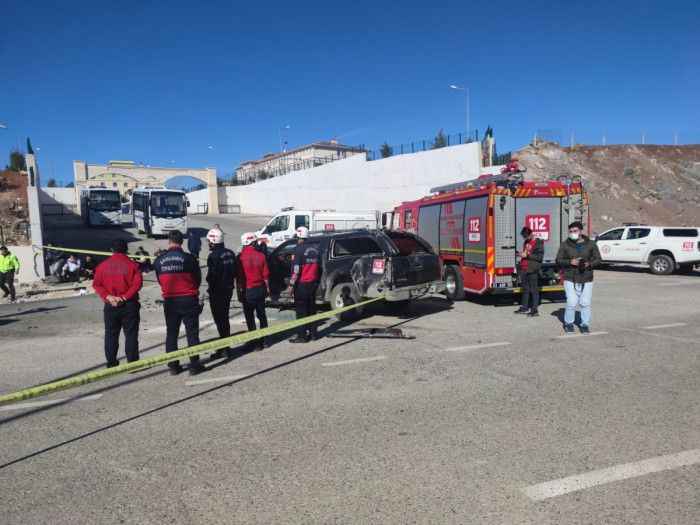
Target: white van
{"x":663,"y":248}
{"x":283,"y":225}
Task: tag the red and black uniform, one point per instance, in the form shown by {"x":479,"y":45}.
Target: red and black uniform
{"x":306,"y":274}
{"x":221,"y":275}
{"x":253,"y":283}
{"x":530,"y":264}
{"x":179,"y":277}
{"x":120,"y":277}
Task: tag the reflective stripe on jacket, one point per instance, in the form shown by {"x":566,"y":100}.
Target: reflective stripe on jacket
{"x":9,"y":263}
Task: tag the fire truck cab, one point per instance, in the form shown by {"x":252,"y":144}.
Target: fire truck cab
{"x":475,"y":228}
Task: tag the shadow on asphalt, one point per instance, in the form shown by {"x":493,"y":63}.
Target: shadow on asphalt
{"x":34,"y":311}
{"x":172,"y":403}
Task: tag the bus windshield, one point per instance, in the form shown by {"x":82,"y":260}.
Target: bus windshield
{"x":168,"y":205}
{"x":105,"y":201}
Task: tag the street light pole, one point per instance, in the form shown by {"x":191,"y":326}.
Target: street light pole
{"x":286,"y":126}
{"x":466,"y":95}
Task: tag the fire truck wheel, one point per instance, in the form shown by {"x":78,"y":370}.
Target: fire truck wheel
{"x":344,"y":294}
{"x":662,"y":264}
{"x":454,"y":285}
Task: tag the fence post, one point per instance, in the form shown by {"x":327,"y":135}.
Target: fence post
{"x":460,"y":138}
{"x":448,"y":140}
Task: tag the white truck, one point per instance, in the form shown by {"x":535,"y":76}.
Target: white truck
{"x":663,"y":248}
{"x":283,"y":225}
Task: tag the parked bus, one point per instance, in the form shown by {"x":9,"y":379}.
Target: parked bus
{"x":475,"y":227}
{"x":100,"y":207}
{"x":158,"y":211}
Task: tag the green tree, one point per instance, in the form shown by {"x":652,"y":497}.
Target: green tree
{"x":263,"y":175}
{"x":440,"y":140}
{"x":385,"y":150}
{"x":17,"y":162}
{"x":51,"y":183}
{"x":70,"y":185}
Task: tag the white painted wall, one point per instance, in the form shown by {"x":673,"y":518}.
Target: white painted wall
{"x":358,"y":184}
{"x":31,"y":264}
{"x":65,"y":196}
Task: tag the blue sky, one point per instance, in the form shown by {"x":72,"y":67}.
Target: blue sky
{"x":160,"y":82}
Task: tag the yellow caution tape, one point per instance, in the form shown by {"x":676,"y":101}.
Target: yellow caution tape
{"x":210,"y":346}
{"x":90,"y":252}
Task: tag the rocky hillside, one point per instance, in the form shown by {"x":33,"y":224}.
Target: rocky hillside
{"x":627,"y":183}
{"x":13,"y":207}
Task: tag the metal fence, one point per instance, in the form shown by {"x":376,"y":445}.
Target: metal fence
{"x":573,"y":137}
{"x":437,"y":142}
{"x":289,"y":165}
{"x":202,"y":209}
{"x":230,"y":208}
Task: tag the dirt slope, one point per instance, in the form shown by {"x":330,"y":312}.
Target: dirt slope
{"x":13,"y":207}
{"x":627,"y":183}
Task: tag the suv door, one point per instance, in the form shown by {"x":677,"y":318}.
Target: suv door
{"x":414,"y":261}
{"x":610,"y":244}
{"x":634,"y":245}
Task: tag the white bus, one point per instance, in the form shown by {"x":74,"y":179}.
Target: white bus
{"x":158,"y":211}
{"x":100,"y":207}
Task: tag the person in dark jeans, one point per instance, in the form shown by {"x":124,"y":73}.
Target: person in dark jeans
{"x":530,"y":263}
{"x":221,"y":275}
{"x":306,"y":274}
{"x":9,"y":266}
{"x":179,"y":277}
{"x":253,"y":285}
{"x":117,"y":282}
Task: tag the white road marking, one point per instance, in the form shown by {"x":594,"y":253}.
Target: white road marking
{"x":37,"y":404}
{"x":662,"y":336}
{"x":351,"y":361}
{"x":559,"y":487}
{"x":659,"y":326}
{"x":476,"y":347}
{"x":680,"y":283}
{"x":215,"y":380}
{"x":571,"y":336}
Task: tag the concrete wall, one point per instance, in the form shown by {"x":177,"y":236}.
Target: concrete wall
{"x":31,"y":264}
{"x":64,"y":196}
{"x":358,"y":184}
{"x":35,"y":216}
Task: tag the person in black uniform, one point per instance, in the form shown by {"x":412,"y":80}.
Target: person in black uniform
{"x":306,"y":274}
{"x":221,"y":274}
{"x":179,"y":277}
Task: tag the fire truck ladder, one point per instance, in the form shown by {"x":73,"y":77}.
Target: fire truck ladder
{"x":507,"y":180}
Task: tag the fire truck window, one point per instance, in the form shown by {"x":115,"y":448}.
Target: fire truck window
{"x":408,"y":244}
{"x":612,"y":235}
{"x":637,"y":233}
{"x":355,"y":246}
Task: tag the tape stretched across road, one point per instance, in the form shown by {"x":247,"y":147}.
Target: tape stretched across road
{"x":90,"y":252}
{"x":142,"y":364}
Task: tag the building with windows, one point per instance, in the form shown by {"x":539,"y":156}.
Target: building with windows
{"x":304,"y":157}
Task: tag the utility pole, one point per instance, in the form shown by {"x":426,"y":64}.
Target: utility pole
{"x":604,"y":139}
{"x":675,"y":138}
{"x":466,"y":94}
{"x":644,"y":138}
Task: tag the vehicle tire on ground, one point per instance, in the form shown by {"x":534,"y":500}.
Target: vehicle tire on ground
{"x":662,"y":264}
{"x":686,"y":269}
{"x":345,"y":294}
{"x":454,"y":285}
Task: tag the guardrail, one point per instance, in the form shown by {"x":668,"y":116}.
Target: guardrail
{"x":230,"y":208}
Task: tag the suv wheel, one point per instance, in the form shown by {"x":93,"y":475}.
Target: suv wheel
{"x":344,"y":294}
{"x":454,"y":285}
{"x":662,"y":264}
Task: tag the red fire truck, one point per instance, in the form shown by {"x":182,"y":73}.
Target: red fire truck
{"x":475,"y":228}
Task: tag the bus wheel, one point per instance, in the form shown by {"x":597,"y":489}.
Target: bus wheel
{"x":454,"y":285}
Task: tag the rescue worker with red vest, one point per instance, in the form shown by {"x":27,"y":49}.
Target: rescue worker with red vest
{"x":221,"y":275}
{"x":530,"y":264}
{"x":179,"y":277}
{"x":118,"y":281}
{"x":306,"y":274}
{"x":253,"y":284}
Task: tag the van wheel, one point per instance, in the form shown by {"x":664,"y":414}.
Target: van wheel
{"x":454,"y":285}
{"x":661,"y":264}
{"x":344,"y":294}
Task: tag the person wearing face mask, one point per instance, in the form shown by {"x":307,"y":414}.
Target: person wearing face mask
{"x":530,"y":263}
{"x":577,"y":257}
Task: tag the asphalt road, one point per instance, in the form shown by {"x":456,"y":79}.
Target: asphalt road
{"x":484,"y":417}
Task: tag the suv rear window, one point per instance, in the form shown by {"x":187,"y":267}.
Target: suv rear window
{"x":680,"y":232}
{"x":407,"y":244}
{"x":355,"y":246}
{"x":638,"y":233}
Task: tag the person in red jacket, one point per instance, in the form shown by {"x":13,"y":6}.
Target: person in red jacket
{"x":306,"y":274}
{"x":179,"y":277}
{"x":117,"y":282}
{"x":253,"y":284}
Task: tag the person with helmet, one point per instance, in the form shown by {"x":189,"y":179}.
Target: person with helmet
{"x":262,"y":243}
{"x":253,"y":284}
{"x":221,"y":275}
{"x":306,"y":274}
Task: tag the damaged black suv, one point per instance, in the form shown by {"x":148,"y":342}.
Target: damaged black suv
{"x":362,"y":264}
